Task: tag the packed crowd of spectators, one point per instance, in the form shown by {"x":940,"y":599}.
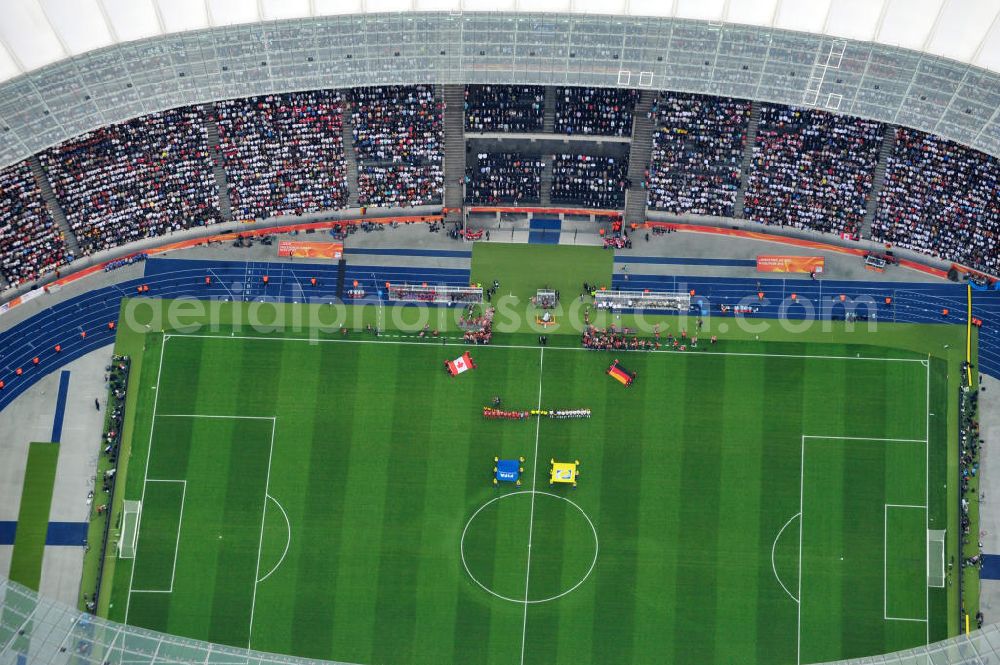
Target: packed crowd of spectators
{"x":503,"y":177}
{"x":697,"y":153}
{"x":504,"y":108}
{"x":942,"y":199}
{"x":284,"y":154}
{"x":599,"y":111}
{"x":142,"y":178}
{"x":30,"y":241}
{"x":971,"y":443}
{"x":399,"y":143}
{"x":593,"y":182}
{"x":399,"y":185}
{"x":812,"y":169}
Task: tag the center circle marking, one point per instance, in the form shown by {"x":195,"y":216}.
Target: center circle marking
{"x":526,"y":601}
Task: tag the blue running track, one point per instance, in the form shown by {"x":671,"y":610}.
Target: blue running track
{"x":911,"y":303}
{"x":237,"y":280}
{"x":91,"y":312}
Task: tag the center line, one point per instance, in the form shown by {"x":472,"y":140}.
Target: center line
{"x":531,"y":519}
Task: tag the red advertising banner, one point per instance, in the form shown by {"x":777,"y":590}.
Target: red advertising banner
{"x":311,"y":250}
{"x":771,"y":263}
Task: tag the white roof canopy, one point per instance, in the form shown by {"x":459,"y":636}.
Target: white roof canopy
{"x":34,"y":33}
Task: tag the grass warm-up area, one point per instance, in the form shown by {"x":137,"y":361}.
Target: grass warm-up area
{"x":526,"y":268}
{"x":335,"y":500}
{"x":33,"y":514}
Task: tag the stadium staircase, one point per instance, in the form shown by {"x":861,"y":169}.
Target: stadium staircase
{"x":454,"y":148}
{"x":218,"y":168}
{"x":638,"y":158}
{"x":549,"y":115}
{"x":350,"y":158}
{"x":42,"y":180}
{"x":747,"y":157}
{"x":545,"y":182}
{"x":878,"y":180}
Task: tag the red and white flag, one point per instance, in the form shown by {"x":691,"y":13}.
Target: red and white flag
{"x":461,"y":364}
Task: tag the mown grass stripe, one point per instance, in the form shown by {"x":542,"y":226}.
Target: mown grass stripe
{"x":321,"y":476}
{"x":740,"y":439}
{"x":33,"y":514}
{"x":403,"y":520}
{"x":779,"y":453}
{"x":660,"y":536}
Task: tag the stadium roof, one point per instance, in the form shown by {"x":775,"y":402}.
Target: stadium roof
{"x":35,"y":33}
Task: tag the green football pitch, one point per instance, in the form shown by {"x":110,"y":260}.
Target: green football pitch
{"x":769,"y":502}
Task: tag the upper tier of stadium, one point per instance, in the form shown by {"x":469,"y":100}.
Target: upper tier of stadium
{"x":615,"y":152}
{"x":71,"y":67}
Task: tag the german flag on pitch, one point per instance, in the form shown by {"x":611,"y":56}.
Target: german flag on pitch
{"x":620,"y":374}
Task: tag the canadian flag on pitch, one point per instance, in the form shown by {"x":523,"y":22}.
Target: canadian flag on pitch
{"x":461,"y":364}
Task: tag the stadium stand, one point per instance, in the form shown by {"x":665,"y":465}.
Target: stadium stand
{"x":697,"y":151}
{"x":504,"y":108}
{"x":593,"y":182}
{"x":30,"y":240}
{"x":942,"y":199}
{"x":503,"y":177}
{"x":143,"y":178}
{"x":597,"y":111}
{"x":399,"y":143}
{"x":812,"y":169}
{"x":284,"y":154}
{"x":400,"y":185}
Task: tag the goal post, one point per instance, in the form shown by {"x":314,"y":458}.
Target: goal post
{"x":130,"y":529}
{"x":935,"y":559}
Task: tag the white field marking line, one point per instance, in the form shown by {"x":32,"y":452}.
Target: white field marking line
{"x":204,"y":415}
{"x":531,"y":519}
{"x":885,"y":559}
{"x":774,"y":545}
{"x":802,"y":480}
{"x":381,"y":340}
{"x":519,"y":601}
{"x":927,"y":496}
{"x":177,"y":543}
{"x":288,"y":527}
{"x":260,"y":544}
{"x":145,"y":474}
{"x":862,"y":438}
{"x":223,"y":282}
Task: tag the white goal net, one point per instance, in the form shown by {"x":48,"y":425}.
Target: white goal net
{"x":130,"y":529}
{"x":935,"y":559}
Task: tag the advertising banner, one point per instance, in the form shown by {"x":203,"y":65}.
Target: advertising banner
{"x":311,"y":250}
{"x":772,"y":263}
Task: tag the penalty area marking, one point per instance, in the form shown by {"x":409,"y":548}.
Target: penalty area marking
{"x":802,"y":478}
{"x":774,"y":546}
{"x":260,"y":544}
{"x":288,"y":541}
{"x":525,"y":601}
